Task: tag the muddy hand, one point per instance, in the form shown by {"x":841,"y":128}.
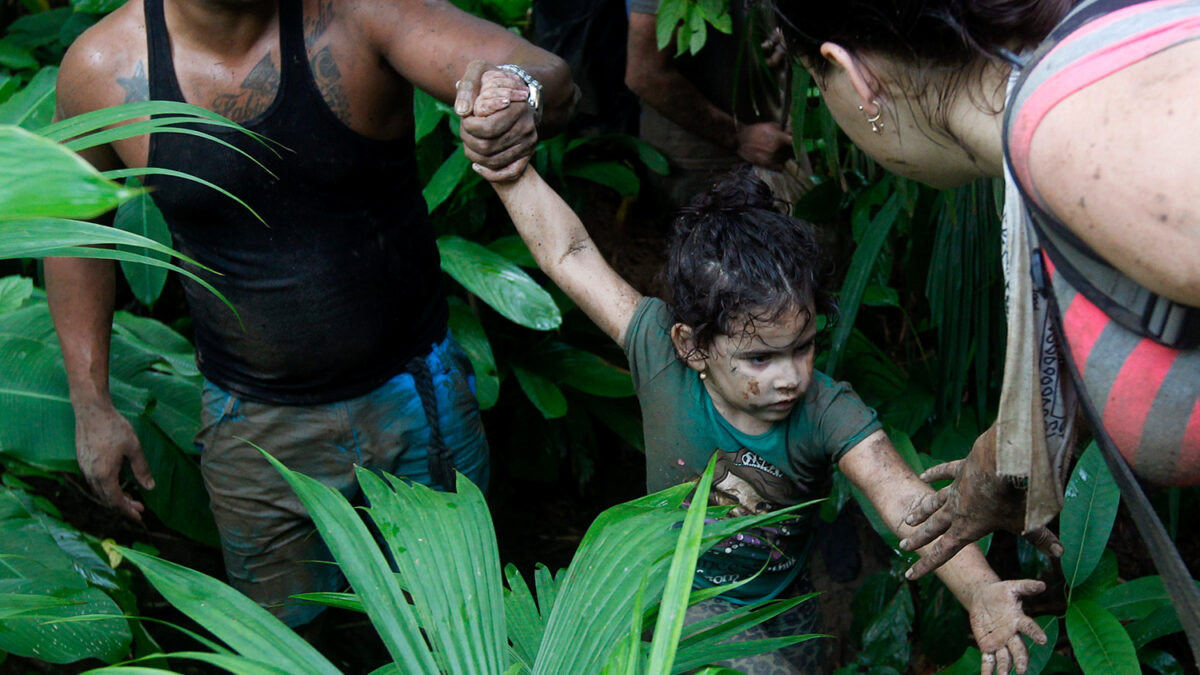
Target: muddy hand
{"x":976,"y":503}
{"x":764,"y":144}
{"x":104,"y":440}
{"x":500,"y":143}
{"x":998,"y":621}
{"x":497,"y":91}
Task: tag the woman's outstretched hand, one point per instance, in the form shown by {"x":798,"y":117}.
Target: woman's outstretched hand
{"x":998,"y":622}
{"x":975,"y":504}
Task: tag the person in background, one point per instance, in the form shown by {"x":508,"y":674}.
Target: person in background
{"x":715,"y":109}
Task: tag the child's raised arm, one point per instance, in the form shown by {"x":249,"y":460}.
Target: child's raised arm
{"x":563,"y":249}
{"x":994,"y":606}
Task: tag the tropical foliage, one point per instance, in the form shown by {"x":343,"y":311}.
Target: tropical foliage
{"x":920,"y":336}
{"x":448,"y":610}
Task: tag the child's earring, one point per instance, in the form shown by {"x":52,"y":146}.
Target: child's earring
{"x":704,"y":374}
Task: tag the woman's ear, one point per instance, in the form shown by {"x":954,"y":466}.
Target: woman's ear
{"x":866,"y":85}
{"x":684,"y":339}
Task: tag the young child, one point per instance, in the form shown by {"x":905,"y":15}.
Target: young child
{"x":727,"y":368}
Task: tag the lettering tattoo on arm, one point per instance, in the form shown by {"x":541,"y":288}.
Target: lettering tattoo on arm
{"x":136,"y":86}
{"x":258,"y":91}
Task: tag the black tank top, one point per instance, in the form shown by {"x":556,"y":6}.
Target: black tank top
{"x":341,"y":286}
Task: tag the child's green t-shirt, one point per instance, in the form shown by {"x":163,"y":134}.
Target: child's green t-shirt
{"x":791,"y":463}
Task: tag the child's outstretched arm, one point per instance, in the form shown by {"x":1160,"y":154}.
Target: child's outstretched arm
{"x":997,"y":618}
{"x":563,"y":249}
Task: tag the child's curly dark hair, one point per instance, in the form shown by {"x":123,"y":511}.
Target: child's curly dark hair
{"x":735,"y":259}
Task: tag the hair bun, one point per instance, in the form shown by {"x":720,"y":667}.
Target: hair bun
{"x":735,"y":191}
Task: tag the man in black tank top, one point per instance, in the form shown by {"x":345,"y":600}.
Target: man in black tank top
{"x":342,"y":355}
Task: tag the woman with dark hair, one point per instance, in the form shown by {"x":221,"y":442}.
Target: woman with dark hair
{"x":1090,"y":113}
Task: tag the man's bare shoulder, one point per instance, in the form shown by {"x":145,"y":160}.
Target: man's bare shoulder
{"x":106,"y":65}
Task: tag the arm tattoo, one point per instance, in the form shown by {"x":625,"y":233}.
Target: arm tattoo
{"x":258,"y":91}
{"x":329,"y":81}
{"x":314,"y":27}
{"x":136,"y":86}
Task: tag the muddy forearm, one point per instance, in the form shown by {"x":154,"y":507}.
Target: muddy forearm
{"x":892,"y":488}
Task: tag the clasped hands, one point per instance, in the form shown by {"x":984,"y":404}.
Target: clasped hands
{"x":498,"y":138}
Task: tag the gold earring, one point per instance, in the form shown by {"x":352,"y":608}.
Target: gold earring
{"x":876,"y":125}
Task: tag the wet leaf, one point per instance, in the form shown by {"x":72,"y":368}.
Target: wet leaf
{"x":1100,"y":643}
{"x":542,"y":393}
{"x":499,"y":283}
{"x":141,"y":216}
{"x":1089,"y":510}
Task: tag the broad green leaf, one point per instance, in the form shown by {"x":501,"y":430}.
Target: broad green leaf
{"x":1100,"y":643}
{"x":609,"y":174}
{"x":29,"y":164}
{"x":542,"y":393}
{"x":1103,"y":577}
{"x":470,"y":334}
{"x":446,"y":179}
{"x":9,"y":84}
{"x":1135,"y":599}
{"x":1089,"y":510}
{"x":967,"y":664}
{"x":40,"y":29}
{"x":15,"y":57}
{"x":45,"y":557}
{"x":513,"y":248}
{"x":14,"y":291}
{"x":49,"y":636}
{"x":886,"y":638}
{"x":859,"y":273}
{"x":583,"y":370}
{"x":234,"y":618}
{"x":670,"y":13}
{"x":16,"y":604}
{"x":157,"y":338}
{"x":426,"y":114}
{"x":33,"y":106}
{"x":1160,"y":622}
{"x":37,"y":423}
{"x":445,"y":549}
{"x":178,"y":486}
{"x":365,"y":568}
{"x":499,"y":283}
{"x":1160,"y":661}
{"x":1039,"y":655}
{"x":141,"y":216}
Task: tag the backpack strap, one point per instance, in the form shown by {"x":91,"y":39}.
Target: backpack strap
{"x":1180,"y":587}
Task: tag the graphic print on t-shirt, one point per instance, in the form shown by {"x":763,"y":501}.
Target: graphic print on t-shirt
{"x":753,"y":486}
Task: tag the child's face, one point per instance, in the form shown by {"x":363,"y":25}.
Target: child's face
{"x":755,"y":379}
